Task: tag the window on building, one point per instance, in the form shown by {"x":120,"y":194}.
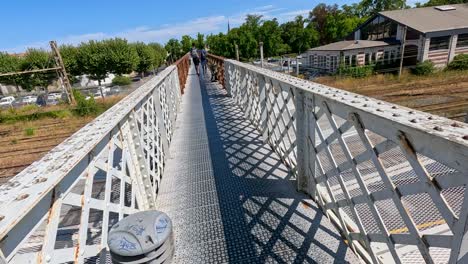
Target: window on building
{"x":353,"y":60}
{"x":462,"y":40}
{"x":379,"y":28}
{"x":367,"y":60}
{"x":439,"y":43}
{"x":346,"y":60}
{"x":374,"y":57}
{"x":386,"y":56}
{"x":333,"y":62}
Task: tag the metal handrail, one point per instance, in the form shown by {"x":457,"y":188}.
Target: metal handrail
{"x":59,"y":209}
{"x":391,"y":178}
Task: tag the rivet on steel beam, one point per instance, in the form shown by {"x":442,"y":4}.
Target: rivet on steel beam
{"x":430,"y":118}
{"x":396,"y":115}
{"x":411,"y":112}
{"x":2,"y":217}
{"x":22,"y":196}
{"x":438,"y":128}
{"x":394,"y":107}
{"x":413,"y":120}
{"x":455,"y":124}
{"x":465,"y":137}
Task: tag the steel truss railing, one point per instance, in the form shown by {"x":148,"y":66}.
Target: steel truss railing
{"x":391,"y":178}
{"x":61,"y":208}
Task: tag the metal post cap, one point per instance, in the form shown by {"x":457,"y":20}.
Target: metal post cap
{"x":140,"y":233}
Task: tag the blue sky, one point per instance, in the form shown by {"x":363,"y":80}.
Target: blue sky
{"x":33,"y":23}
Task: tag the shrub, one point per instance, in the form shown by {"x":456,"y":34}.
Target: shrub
{"x":460,"y":62}
{"x":423,"y":68}
{"x":29,"y":131}
{"x":84,"y":107}
{"x":357,"y":72}
{"x":121,"y":80}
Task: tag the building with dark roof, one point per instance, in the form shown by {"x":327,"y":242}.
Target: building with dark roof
{"x":436,"y":33}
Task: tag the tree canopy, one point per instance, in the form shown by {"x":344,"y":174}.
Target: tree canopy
{"x":324,"y":24}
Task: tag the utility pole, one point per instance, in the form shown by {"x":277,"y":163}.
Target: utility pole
{"x":402,"y":51}
{"x":237,"y":52}
{"x":297,"y":65}
{"x":261,"y":54}
{"x":62,"y":72}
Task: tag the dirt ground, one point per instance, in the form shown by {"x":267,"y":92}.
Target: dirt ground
{"x":444,"y":93}
{"x":23,"y":143}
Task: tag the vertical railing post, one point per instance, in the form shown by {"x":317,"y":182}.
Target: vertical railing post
{"x":262,"y":99}
{"x":227,"y":77}
{"x":301,"y":141}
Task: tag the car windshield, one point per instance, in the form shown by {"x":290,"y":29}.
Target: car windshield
{"x":3,"y":100}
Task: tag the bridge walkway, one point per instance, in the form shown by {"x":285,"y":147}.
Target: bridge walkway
{"x":229,"y":195}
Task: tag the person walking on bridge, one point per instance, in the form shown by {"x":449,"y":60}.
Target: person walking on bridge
{"x":195,"y":58}
{"x":204,"y":60}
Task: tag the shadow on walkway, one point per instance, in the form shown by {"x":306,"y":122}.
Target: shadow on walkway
{"x":264,"y":219}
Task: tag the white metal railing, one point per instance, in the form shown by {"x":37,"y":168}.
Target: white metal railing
{"x":391,"y":178}
{"x":61,"y":208}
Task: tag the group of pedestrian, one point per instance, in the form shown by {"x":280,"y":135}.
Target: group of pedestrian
{"x":198,"y":56}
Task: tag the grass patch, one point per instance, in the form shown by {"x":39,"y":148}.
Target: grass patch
{"x":29,"y":131}
{"x":83,"y":108}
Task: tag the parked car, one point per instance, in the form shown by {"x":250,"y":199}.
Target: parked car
{"x":52,"y":101}
{"x":7,"y":101}
{"x":29,"y":99}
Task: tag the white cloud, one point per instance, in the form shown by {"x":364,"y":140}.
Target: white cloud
{"x":205,"y":25}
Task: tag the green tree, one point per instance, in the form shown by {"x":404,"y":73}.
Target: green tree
{"x":121,"y":58}
{"x":186,"y":43}
{"x":219,"y":45}
{"x":200,"y":42}
{"x":9,"y":63}
{"x":371,"y":7}
{"x":159,"y":54}
{"x":248,"y":44}
{"x":270,"y":34}
{"x":174,"y":49}
{"x":145,"y":57}
{"x":70,"y":60}
{"x":92,"y":58}
{"x":298,"y":37}
{"x":36,"y":59}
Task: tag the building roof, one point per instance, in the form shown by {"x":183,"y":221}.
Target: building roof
{"x":431,"y":19}
{"x":351,"y":44}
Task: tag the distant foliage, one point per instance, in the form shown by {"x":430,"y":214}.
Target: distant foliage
{"x":145,"y":57}
{"x":121,"y":80}
{"x":423,"y":68}
{"x":356,"y":72}
{"x":460,"y":62}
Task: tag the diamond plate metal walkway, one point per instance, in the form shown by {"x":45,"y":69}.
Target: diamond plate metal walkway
{"x":229,"y":195}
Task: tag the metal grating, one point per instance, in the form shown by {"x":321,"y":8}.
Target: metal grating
{"x":230,"y":196}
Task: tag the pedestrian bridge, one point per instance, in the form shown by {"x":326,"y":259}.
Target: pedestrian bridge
{"x":259,"y":167}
